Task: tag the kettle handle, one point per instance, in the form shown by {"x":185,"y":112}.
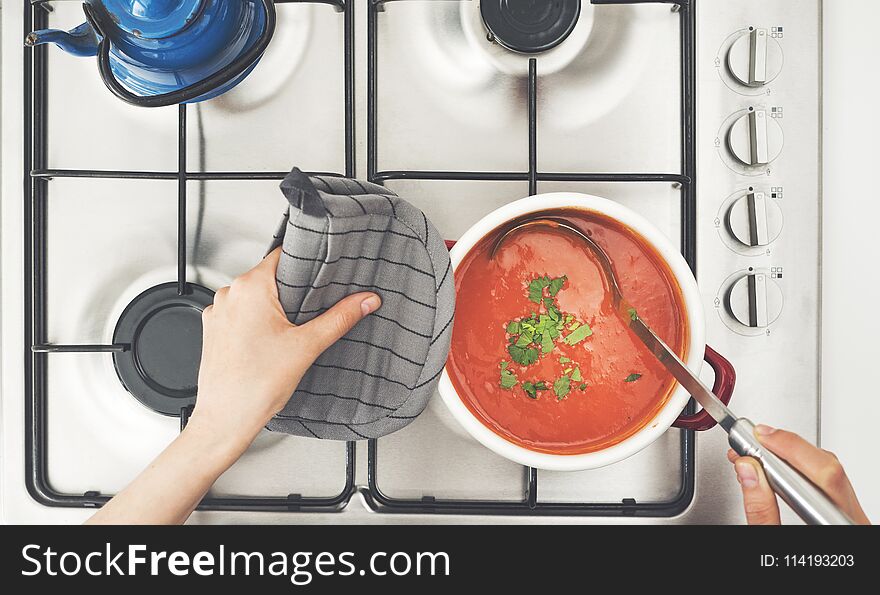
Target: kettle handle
{"x":221,"y":77}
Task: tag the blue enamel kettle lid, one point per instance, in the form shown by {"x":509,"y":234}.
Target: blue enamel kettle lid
{"x":153,"y":19}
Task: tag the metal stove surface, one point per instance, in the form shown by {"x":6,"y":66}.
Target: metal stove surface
{"x":447,"y":100}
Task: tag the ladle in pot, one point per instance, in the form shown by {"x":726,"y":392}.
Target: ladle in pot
{"x":620,"y":304}
{"x":804,"y":497}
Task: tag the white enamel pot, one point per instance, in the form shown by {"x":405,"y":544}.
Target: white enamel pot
{"x":672,"y":413}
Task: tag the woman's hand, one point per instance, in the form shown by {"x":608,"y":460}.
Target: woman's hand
{"x":252,"y":361}
{"x":819,"y":466}
{"x":253,"y":357}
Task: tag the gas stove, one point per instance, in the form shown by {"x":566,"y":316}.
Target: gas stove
{"x":704,"y":116}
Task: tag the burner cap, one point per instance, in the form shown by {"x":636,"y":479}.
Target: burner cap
{"x":530,"y":26}
{"x":164,"y":331}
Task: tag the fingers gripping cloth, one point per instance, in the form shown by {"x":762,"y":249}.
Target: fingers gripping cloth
{"x":342,"y":236}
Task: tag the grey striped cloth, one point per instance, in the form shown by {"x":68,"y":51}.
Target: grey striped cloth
{"x":341,"y":236}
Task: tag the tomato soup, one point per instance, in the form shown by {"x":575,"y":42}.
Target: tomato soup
{"x":519,"y":362}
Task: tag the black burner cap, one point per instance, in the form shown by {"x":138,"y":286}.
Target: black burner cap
{"x":530,"y":26}
{"x":164,"y":332}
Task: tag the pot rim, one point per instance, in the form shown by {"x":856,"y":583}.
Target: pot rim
{"x":693,"y":305}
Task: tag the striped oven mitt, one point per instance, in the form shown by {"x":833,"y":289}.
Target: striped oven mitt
{"x":341,"y":236}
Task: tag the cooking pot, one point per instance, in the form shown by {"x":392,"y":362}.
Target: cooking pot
{"x":671,"y":414}
{"x":154,"y":53}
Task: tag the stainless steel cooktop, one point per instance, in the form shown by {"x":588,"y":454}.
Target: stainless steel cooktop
{"x":414,"y":94}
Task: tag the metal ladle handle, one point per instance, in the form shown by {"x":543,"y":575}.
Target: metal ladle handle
{"x":802,"y":495}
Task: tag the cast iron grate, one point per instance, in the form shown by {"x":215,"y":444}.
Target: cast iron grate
{"x":529,"y":504}
{"x":37,"y":180}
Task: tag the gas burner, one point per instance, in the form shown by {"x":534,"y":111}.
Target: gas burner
{"x":530,"y":26}
{"x":163,"y":331}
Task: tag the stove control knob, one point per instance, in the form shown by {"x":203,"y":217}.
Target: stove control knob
{"x":755,"y":300}
{"x":755,"y":139}
{"x":755,"y":220}
{"x":755,"y":58}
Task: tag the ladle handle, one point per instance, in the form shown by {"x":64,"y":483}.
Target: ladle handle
{"x":805,"y":498}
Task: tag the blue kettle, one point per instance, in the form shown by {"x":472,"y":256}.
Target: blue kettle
{"x":153,"y":53}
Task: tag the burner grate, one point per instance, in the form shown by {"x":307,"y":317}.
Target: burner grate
{"x":529,"y":504}
{"x":37,"y":178}
{"x":37,"y":351}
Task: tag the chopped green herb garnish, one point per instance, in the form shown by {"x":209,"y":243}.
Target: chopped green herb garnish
{"x":556,"y":284}
{"x":525,"y":338}
{"x":536,"y":288}
{"x":535,"y":335}
{"x":543,"y":320}
{"x":633,"y":315}
{"x":524,"y":356}
{"x":561,"y":387}
{"x":508,"y":379}
{"x":632,"y":377}
{"x":579,"y":334}
{"x":546,"y":343}
{"x":531,"y":389}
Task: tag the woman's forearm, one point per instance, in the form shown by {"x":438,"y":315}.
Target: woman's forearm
{"x":169,"y":489}
{"x":252,"y":361}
